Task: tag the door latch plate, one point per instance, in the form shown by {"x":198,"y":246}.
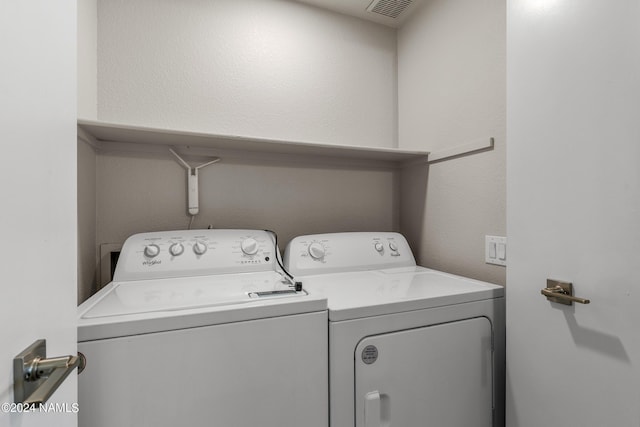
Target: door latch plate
{"x":22,"y":386}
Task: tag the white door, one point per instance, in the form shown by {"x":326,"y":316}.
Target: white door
{"x":439,"y":376}
{"x":573,"y":212}
{"x":38,"y":194}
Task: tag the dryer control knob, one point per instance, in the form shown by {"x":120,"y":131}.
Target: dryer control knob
{"x":199,"y":248}
{"x":379,"y":247}
{"x":393,"y":246}
{"x":151,"y":250}
{"x":176,"y":249}
{"x":249,"y":246}
{"x":316,"y":250}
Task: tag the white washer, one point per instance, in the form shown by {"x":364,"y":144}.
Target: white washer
{"x":198,"y":328}
{"x":408,"y":346}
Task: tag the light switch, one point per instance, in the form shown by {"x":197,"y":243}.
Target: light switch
{"x":495,"y":250}
{"x":502,"y":251}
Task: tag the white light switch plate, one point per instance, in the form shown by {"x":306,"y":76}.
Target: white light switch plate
{"x":495,"y":250}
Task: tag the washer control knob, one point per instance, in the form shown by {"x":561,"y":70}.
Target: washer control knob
{"x":199,"y":248}
{"x":316,"y":250}
{"x":249,"y":246}
{"x":152,"y":250}
{"x":393,"y":246}
{"x":379,"y":247}
{"x":176,"y":249}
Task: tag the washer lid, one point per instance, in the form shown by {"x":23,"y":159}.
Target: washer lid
{"x":129,"y":308}
{"x":170,"y":294}
{"x":372,"y":293}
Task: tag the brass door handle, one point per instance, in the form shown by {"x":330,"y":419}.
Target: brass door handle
{"x":561,"y":292}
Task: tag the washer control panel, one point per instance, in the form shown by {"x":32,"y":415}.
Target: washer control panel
{"x":185,"y":253}
{"x":338,"y":252}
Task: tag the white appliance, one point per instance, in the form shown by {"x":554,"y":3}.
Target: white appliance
{"x":199,"y":328}
{"x":408,"y":346}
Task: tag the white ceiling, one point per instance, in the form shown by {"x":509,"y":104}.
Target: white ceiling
{"x":358,"y":8}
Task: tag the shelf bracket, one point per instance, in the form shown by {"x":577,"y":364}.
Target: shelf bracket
{"x":471,"y":147}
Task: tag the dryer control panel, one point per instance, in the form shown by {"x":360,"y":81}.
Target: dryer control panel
{"x":339,"y":252}
{"x":185,"y":253}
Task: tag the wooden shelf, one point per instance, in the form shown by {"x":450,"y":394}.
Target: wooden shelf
{"x":111,"y":137}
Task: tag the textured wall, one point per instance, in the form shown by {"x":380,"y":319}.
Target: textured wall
{"x":267,"y":68}
{"x":147,"y":193}
{"x":87,"y":59}
{"x":451,"y":90}
{"x":87,"y":200}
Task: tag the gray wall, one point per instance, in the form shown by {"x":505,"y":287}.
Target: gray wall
{"x":87,"y":216}
{"x":139,"y":193}
{"x":451,"y":90}
{"x":267,"y":68}
{"x":284,"y":70}
{"x":87,"y":64}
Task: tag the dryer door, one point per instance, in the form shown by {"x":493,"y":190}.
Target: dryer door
{"x":439,"y":375}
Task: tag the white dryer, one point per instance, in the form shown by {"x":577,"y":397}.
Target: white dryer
{"x":408,"y":346}
{"x":199,"y":328}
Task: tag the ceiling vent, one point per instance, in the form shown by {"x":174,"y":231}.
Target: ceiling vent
{"x":389,"y":8}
